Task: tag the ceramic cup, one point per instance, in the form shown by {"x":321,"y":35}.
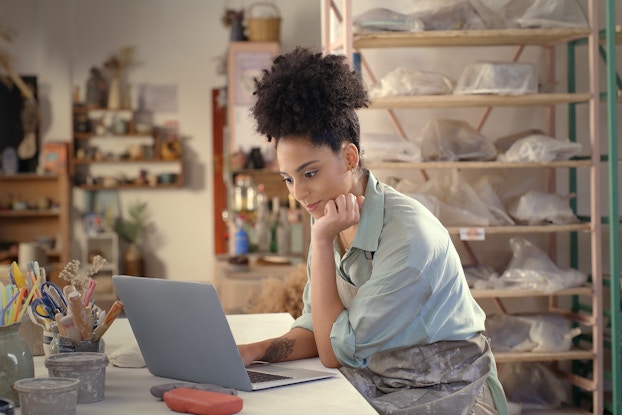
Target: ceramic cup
{"x":48,"y":396}
{"x":89,"y":367}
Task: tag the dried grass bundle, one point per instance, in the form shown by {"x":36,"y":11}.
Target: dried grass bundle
{"x":281,"y":295}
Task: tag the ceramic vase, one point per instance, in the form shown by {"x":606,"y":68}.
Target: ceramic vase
{"x":236,"y":33}
{"x":16,"y":361}
{"x":134,"y":263}
{"x":114,"y":93}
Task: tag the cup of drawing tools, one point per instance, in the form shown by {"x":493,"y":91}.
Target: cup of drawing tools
{"x":76,"y":328}
{"x":69,"y":345}
{"x":15,"y":298}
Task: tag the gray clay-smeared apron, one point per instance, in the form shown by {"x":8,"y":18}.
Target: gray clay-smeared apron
{"x":440,"y":378}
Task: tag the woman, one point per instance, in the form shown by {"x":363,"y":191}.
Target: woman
{"x":386,"y":299}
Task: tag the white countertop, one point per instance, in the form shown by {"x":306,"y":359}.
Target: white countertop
{"x":127,"y":389}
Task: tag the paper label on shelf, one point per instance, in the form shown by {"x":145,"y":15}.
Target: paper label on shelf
{"x":472,"y":234}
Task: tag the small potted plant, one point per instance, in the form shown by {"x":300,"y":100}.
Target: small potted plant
{"x":131,"y":230}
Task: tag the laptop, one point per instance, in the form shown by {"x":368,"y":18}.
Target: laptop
{"x":183,"y":333}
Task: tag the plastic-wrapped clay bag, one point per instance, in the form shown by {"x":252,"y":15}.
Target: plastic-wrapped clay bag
{"x":411,"y":188}
{"x":389,"y":147}
{"x":540,"y":148}
{"x":481,"y":277}
{"x":530,"y":333}
{"x":455,"y":15}
{"x":380,"y":19}
{"x":487,"y":194}
{"x":459,"y":204}
{"x":454,"y":140}
{"x":499,"y":78}
{"x":544,"y":14}
{"x":405,"y":81}
{"x":531,"y":269}
{"x":504,"y":143}
{"x":533,"y":385}
{"x":406,"y":186}
{"x":537,"y":208}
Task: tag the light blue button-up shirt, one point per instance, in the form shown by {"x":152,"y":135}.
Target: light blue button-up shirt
{"x":414,"y":290}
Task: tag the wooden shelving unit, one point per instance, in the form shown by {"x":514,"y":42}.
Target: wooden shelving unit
{"x":32,"y":221}
{"x":348,"y":43}
{"x":91,"y":168}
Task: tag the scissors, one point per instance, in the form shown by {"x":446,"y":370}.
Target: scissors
{"x":51,"y":301}
{"x":42,"y":322}
{"x":40,"y":308}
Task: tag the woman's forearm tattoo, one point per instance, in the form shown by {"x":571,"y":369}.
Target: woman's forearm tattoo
{"x":278,"y":350}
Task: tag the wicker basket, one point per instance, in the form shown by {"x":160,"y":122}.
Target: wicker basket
{"x":264,"y":29}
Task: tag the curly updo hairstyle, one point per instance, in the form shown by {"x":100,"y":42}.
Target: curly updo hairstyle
{"x":308,"y":94}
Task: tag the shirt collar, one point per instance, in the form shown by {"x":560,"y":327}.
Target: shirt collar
{"x":372,"y":215}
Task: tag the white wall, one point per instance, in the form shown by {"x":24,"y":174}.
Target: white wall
{"x":181,"y":42}
{"x":177,"y":42}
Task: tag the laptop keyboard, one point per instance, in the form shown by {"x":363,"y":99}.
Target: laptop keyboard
{"x":258,"y":377}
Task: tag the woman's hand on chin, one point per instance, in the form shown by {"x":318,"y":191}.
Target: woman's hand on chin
{"x":339,"y":214}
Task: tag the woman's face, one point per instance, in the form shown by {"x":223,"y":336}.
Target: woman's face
{"x":314,"y":175}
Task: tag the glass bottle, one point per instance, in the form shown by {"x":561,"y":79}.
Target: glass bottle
{"x":239,"y":194}
{"x":262,"y":221}
{"x":274,"y":222}
{"x":16,"y":361}
{"x":283,"y":234}
{"x":244,"y":195}
{"x":241,"y":242}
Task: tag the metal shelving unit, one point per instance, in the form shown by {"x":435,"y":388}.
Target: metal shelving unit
{"x":610,"y":38}
{"x":613,"y":37}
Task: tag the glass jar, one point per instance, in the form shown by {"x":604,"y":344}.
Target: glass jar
{"x":244,"y":196}
{"x":16,"y":361}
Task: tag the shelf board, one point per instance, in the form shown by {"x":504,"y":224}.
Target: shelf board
{"x":457,"y":101}
{"x":125,"y":161}
{"x":500,"y":37}
{"x":516,"y":229}
{"x":429,"y":165}
{"x":29,"y":213}
{"x":93,"y":136}
{"x":573,"y":354}
{"x":28,"y":177}
{"x":510,"y":293}
{"x":159,"y":186}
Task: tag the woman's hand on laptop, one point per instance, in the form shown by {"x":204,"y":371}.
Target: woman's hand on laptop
{"x":250,"y":352}
{"x":296,"y":344}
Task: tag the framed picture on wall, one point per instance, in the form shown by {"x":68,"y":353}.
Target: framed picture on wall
{"x":245,"y":61}
{"x":54,"y":157}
